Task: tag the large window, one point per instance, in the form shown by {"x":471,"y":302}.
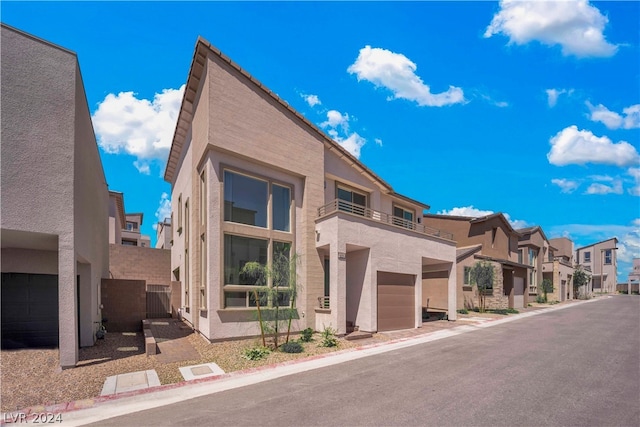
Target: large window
{"x":532,"y":256}
{"x":350,"y":200}
{"x":467,"y":276}
{"x":587,"y":257}
{"x":240,"y":250}
{"x":607,"y":256}
{"x":281,"y":207}
{"x":245,"y":199}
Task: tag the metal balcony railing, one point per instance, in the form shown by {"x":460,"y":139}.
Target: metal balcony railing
{"x":323,"y":302}
{"x":355,"y":209}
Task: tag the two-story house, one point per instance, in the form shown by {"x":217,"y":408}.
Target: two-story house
{"x":600,"y":259}
{"x":558,"y":267}
{"x":124,"y":228}
{"x":163,"y":234}
{"x":252,"y":180}
{"x":491,"y":239}
{"x":54,"y":200}
{"x":534,"y":247}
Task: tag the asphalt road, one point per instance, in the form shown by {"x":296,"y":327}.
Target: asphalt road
{"x":578,"y":366}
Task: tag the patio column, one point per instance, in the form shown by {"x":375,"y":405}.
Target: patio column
{"x":338,"y":287}
{"x":67,"y":303}
{"x":453,"y":292}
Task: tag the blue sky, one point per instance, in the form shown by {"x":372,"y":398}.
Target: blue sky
{"x":527,"y":108}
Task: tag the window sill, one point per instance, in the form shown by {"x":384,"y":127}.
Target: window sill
{"x":323,"y":310}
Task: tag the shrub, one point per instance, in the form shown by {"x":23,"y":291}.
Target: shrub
{"x":540,"y":299}
{"x":512,"y":311}
{"x":306,"y":335}
{"x":329,"y":338}
{"x":292,"y":347}
{"x":256,"y":353}
{"x":463,"y":311}
{"x":502,"y":311}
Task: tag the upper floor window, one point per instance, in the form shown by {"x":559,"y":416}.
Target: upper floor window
{"x":403,"y":217}
{"x":587,"y":257}
{"x":519,"y":256}
{"x":245,"y":199}
{"x":607,"y":256}
{"x":356,"y":202}
{"x":532,"y":256}
{"x":131,"y":226}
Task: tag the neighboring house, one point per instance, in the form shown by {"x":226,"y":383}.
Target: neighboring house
{"x":600,"y":259}
{"x":633,"y":280}
{"x":534,"y":247}
{"x":163,"y":234}
{"x":252,"y":179}
{"x":558,"y":266}
{"x":492,"y":239}
{"x":54,"y":200}
{"x":124,"y":228}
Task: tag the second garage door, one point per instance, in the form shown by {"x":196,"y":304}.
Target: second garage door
{"x":396,"y":307}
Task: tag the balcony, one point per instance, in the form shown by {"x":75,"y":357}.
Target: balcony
{"x":359,"y":210}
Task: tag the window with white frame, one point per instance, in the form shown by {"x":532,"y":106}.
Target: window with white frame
{"x":532,"y":256}
{"x":607,"y":256}
{"x":467,"y":276}
{"x":587,"y":256}
{"x":533,"y":286}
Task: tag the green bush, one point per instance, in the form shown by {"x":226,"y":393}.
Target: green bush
{"x":329,"y":338}
{"x":502,"y":311}
{"x":540,"y":299}
{"x":463,"y":311}
{"x":306,"y":335}
{"x":256,"y":353}
{"x":512,"y":311}
{"x":292,"y":347}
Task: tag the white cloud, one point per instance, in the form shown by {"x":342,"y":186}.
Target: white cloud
{"x":378,"y":141}
{"x":142,"y":128}
{"x":336,"y":119}
{"x":470,"y":211}
{"x":337,"y":125}
{"x":635,"y":174}
{"x":396,"y":72}
{"x":576,"y":26}
{"x":566,"y":185}
{"x":598,"y":188}
{"x":573,"y":146}
{"x":353,"y":143}
{"x":554,"y":94}
{"x":164,"y":209}
{"x":629,"y":119}
{"x":312,"y":100}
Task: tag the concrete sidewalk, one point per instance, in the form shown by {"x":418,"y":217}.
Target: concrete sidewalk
{"x":100,"y":408}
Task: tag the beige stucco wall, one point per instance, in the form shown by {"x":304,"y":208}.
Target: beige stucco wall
{"x":46,"y":122}
{"x":390,"y":249}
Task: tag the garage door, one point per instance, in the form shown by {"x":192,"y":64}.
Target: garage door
{"x":396,"y":307}
{"x":29,"y":310}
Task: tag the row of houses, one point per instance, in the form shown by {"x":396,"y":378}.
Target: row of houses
{"x":252,"y":180}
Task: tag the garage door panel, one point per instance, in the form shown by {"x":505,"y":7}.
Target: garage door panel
{"x":29,"y":310}
{"x":396,"y":307}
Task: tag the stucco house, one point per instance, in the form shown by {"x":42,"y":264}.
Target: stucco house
{"x":252,"y":179}
{"x":490,"y":239}
{"x":164,"y":234}
{"x":54,"y":200}
{"x":535,"y":248}
{"x":124,"y":228}
{"x":600,"y":259}
{"x":558,"y":266}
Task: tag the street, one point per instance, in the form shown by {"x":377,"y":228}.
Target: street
{"x":576,"y":366}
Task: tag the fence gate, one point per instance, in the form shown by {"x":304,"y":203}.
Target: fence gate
{"x":158,"y":301}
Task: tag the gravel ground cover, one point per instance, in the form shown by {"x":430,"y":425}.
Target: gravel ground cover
{"x":31,"y":377}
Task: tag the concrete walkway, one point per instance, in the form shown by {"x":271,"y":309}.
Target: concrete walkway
{"x":95,"y":410}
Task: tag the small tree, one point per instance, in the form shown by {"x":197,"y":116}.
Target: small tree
{"x":275,"y":295}
{"x":580,"y":280}
{"x":482,"y":275}
{"x":547,"y":287}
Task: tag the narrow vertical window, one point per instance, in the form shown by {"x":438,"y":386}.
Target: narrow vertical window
{"x":203,"y":273}
{"x":203,"y":199}
{"x":281,"y":207}
{"x":180,"y":214}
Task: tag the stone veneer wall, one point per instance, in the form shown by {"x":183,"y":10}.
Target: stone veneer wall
{"x":496,"y":300}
